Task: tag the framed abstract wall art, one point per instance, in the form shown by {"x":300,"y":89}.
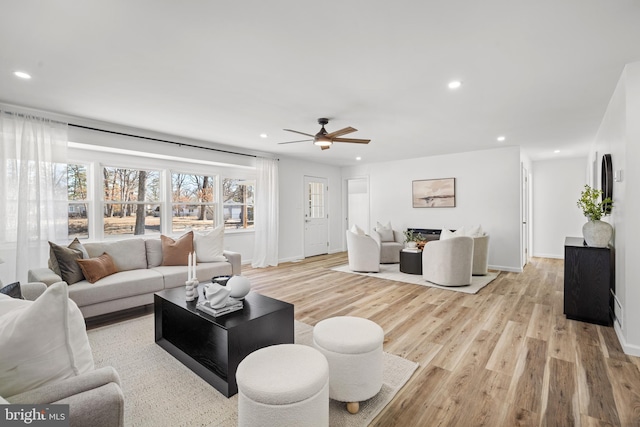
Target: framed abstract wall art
{"x":434,"y":193}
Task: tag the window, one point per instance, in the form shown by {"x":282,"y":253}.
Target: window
{"x":193,"y":201}
{"x":132,"y":202}
{"x":238,"y":196}
{"x":78,"y":205}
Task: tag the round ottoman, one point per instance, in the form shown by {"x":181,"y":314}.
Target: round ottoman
{"x":353,"y":348}
{"x":283,"y":385}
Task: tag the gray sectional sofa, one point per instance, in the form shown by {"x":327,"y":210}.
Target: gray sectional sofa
{"x":140,"y":274}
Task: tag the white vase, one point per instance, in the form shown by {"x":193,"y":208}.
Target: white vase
{"x":239,"y":286}
{"x":597,"y":233}
{"x":411,"y":244}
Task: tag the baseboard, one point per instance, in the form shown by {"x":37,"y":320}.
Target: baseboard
{"x":504,"y":268}
{"x":554,"y":256}
{"x":630,"y":349}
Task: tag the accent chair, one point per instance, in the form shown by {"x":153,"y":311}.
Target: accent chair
{"x":448,"y":262}
{"x":363,"y":253}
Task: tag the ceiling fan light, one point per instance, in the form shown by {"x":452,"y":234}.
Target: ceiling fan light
{"x":323,"y":142}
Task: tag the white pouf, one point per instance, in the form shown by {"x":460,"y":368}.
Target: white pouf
{"x":283,"y":385}
{"x":353,"y":348}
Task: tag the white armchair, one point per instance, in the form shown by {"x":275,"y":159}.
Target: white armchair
{"x":389,"y":249}
{"x":363,"y":253}
{"x":480,"y":255}
{"x":448,"y":262}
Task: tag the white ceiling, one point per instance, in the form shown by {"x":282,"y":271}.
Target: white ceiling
{"x":539,"y":72}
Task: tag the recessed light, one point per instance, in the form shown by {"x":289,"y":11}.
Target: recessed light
{"x":263,"y":135}
{"x":556,"y":151}
{"x":358,"y":158}
{"x":501,"y":138}
{"x":455,"y":84}
{"x":22,"y":75}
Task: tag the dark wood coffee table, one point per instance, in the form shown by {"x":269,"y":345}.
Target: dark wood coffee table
{"x":212,"y":347}
{"x":411,"y":262}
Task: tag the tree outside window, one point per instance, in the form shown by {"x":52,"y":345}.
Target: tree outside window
{"x":193,"y":201}
{"x":238,"y":206}
{"x":78,"y":201}
{"x":132,"y":202}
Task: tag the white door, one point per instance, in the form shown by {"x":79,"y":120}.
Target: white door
{"x":525,"y":216}
{"x":316,"y":223}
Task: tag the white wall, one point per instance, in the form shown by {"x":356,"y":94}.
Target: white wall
{"x":556,"y":186}
{"x":487,"y":193}
{"x":619,"y":135}
{"x":291,"y":174}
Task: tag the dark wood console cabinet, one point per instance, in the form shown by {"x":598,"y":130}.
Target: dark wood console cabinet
{"x":588,"y":282}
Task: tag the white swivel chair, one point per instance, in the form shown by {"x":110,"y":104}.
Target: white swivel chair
{"x":390,"y":245}
{"x":448,"y":262}
{"x":480,"y":255}
{"x":363,"y":253}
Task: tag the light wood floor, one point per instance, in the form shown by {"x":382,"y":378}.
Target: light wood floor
{"x":503,"y":357}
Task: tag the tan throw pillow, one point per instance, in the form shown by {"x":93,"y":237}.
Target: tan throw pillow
{"x":95,"y":269}
{"x":176,"y":252}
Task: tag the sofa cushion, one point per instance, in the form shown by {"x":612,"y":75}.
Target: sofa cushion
{"x":95,"y":269}
{"x":42,"y":341}
{"x":154,"y":252}
{"x":12,"y":290}
{"x":119,"y":285}
{"x":176,"y":252}
{"x":209,"y":246}
{"x":66,"y":257}
{"x":128,"y":254}
{"x":175,"y":276}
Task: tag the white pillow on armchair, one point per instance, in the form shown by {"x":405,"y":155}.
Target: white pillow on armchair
{"x":385,"y":232}
{"x":42,"y":341}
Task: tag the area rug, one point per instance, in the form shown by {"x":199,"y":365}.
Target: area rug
{"x":392,"y":272}
{"x":161,"y":391}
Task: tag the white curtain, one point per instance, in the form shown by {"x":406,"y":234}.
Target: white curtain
{"x":265,"y":251}
{"x":33,"y":191}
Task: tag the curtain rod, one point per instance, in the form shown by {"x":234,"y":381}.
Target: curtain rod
{"x":182,"y":144}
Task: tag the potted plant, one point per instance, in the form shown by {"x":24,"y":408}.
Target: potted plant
{"x":410,"y":238}
{"x":596,"y":233}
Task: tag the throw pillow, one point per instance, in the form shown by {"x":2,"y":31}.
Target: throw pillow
{"x":385,"y":232}
{"x":95,"y":269}
{"x":66,"y":258}
{"x":42,"y":341}
{"x":53,"y":261}
{"x":357,"y":230}
{"x":13,"y":290}
{"x":209,"y":246}
{"x":446,"y":234}
{"x":176,"y":252}
{"x":475,"y":231}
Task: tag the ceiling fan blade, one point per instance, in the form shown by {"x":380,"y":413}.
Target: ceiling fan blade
{"x":340,"y":132}
{"x":322,"y":147}
{"x":354,"y":140}
{"x":291,"y":142}
{"x":301,"y":133}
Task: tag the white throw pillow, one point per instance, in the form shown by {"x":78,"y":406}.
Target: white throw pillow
{"x":42,"y":341}
{"x":446,"y":234}
{"x":474,"y":231}
{"x":357,"y":230}
{"x":210,"y":246}
{"x":385,"y":232}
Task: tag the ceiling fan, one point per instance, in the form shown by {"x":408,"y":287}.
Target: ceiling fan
{"x":324,"y":140}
